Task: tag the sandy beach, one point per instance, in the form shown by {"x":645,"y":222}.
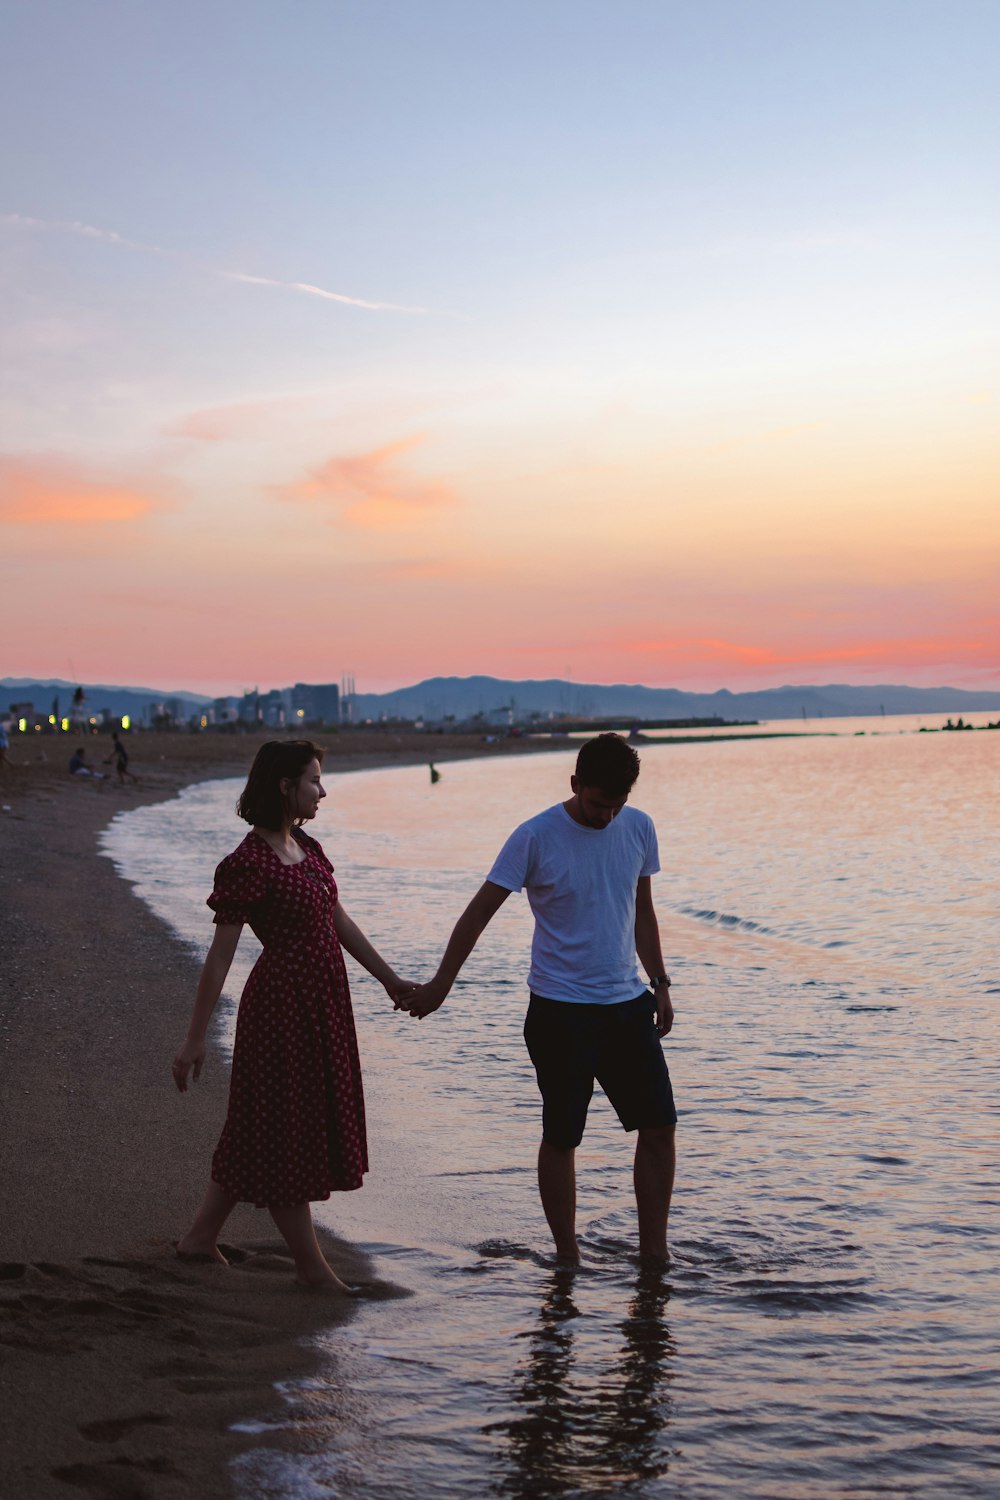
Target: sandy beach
{"x":121,"y":1369}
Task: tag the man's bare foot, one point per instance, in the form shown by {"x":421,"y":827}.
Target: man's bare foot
{"x":196,"y":1253}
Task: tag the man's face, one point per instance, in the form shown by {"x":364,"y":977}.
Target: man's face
{"x":596,"y":808}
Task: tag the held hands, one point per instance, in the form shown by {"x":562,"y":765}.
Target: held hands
{"x":402,"y":992}
{"x":420,"y":999}
{"x":191,"y":1055}
{"x":396,"y":988}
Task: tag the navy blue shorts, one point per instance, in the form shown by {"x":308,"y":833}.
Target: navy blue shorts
{"x":572,"y":1045}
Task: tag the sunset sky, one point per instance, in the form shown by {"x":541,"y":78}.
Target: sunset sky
{"x":631,"y":341}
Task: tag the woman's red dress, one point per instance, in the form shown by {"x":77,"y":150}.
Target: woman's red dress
{"x":295,"y":1131}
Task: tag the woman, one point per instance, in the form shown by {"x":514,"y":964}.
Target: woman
{"x":295,"y":1131}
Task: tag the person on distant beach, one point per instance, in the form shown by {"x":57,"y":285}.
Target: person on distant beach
{"x":295,"y":1129}
{"x":78,"y":766}
{"x":120,"y":757}
{"x":586,"y":866}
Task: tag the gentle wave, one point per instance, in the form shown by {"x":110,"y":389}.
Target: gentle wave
{"x":725,"y":919}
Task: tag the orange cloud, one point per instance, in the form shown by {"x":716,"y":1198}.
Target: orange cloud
{"x":42,"y":491}
{"x":371,"y":488}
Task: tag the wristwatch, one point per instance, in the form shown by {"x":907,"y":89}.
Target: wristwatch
{"x":659,"y":979}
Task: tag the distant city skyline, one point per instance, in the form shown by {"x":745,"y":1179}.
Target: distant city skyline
{"x":624,"y":344}
{"x":463,"y":699}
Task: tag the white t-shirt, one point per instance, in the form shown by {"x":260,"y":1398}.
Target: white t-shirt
{"x":581,"y":885}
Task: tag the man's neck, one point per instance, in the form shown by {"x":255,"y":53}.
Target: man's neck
{"x":572,"y":806}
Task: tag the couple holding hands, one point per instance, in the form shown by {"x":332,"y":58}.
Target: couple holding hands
{"x":295,"y":1128}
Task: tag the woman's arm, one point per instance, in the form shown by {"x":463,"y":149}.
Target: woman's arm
{"x":354,"y":942}
{"x":465,"y":935}
{"x":213,"y":977}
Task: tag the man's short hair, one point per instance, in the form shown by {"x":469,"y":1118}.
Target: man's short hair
{"x":609,"y":762}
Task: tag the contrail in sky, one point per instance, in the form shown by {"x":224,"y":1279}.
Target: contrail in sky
{"x":112,"y":237}
{"x":318,"y":291}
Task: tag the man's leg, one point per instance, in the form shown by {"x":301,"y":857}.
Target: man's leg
{"x":557,"y":1186}
{"x":653,"y":1175}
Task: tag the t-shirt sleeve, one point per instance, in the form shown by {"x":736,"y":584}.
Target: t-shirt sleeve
{"x":651,"y":863}
{"x":513,"y":863}
{"x":240,"y":888}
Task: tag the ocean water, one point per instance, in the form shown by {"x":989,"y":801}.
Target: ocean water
{"x":830,"y":1322}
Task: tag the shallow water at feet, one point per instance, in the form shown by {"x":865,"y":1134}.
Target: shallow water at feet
{"x":828,"y":1324}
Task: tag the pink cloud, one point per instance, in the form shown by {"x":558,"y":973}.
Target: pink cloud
{"x":221,"y":424}
{"x":907,"y":652}
{"x":372,"y":490}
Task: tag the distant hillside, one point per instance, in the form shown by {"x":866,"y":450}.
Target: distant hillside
{"x":463,"y":697}
{"x":119,"y":700}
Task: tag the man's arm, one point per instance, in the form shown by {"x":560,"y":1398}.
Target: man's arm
{"x":647,"y":945}
{"x":466,"y":933}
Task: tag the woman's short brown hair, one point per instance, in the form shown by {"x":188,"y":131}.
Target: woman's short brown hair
{"x":262,"y":801}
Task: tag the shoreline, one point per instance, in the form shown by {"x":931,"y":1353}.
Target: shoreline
{"x":140,"y":1364}
{"x":122,"y":1370}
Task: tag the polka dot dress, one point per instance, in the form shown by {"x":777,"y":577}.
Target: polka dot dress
{"x":295,"y":1131}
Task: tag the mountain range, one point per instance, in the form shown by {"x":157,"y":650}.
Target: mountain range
{"x":463,"y":698}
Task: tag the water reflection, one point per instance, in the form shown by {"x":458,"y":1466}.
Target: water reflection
{"x":584,"y":1425}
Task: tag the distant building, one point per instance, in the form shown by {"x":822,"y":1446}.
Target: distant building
{"x":273,"y":708}
{"x":25,"y":716}
{"x":347,"y":695}
{"x":250,"y":707}
{"x":161,"y":715}
{"x":315,"y":703}
{"x":224,"y":711}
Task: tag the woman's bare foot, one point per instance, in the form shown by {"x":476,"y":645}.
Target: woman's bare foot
{"x":326,"y":1281}
{"x":198,"y":1252}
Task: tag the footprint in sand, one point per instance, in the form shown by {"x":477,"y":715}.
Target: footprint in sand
{"x":203,"y":1385}
{"x":118,"y":1478}
{"x":115,"y":1428}
{"x":173,"y":1367}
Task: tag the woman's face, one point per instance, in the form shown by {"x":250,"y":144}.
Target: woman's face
{"x":307,"y":793}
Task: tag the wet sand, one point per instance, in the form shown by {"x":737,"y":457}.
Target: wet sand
{"x":121,"y":1369}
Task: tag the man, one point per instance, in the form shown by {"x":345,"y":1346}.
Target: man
{"x":120,"y":757}
{"x":586,"y":866}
